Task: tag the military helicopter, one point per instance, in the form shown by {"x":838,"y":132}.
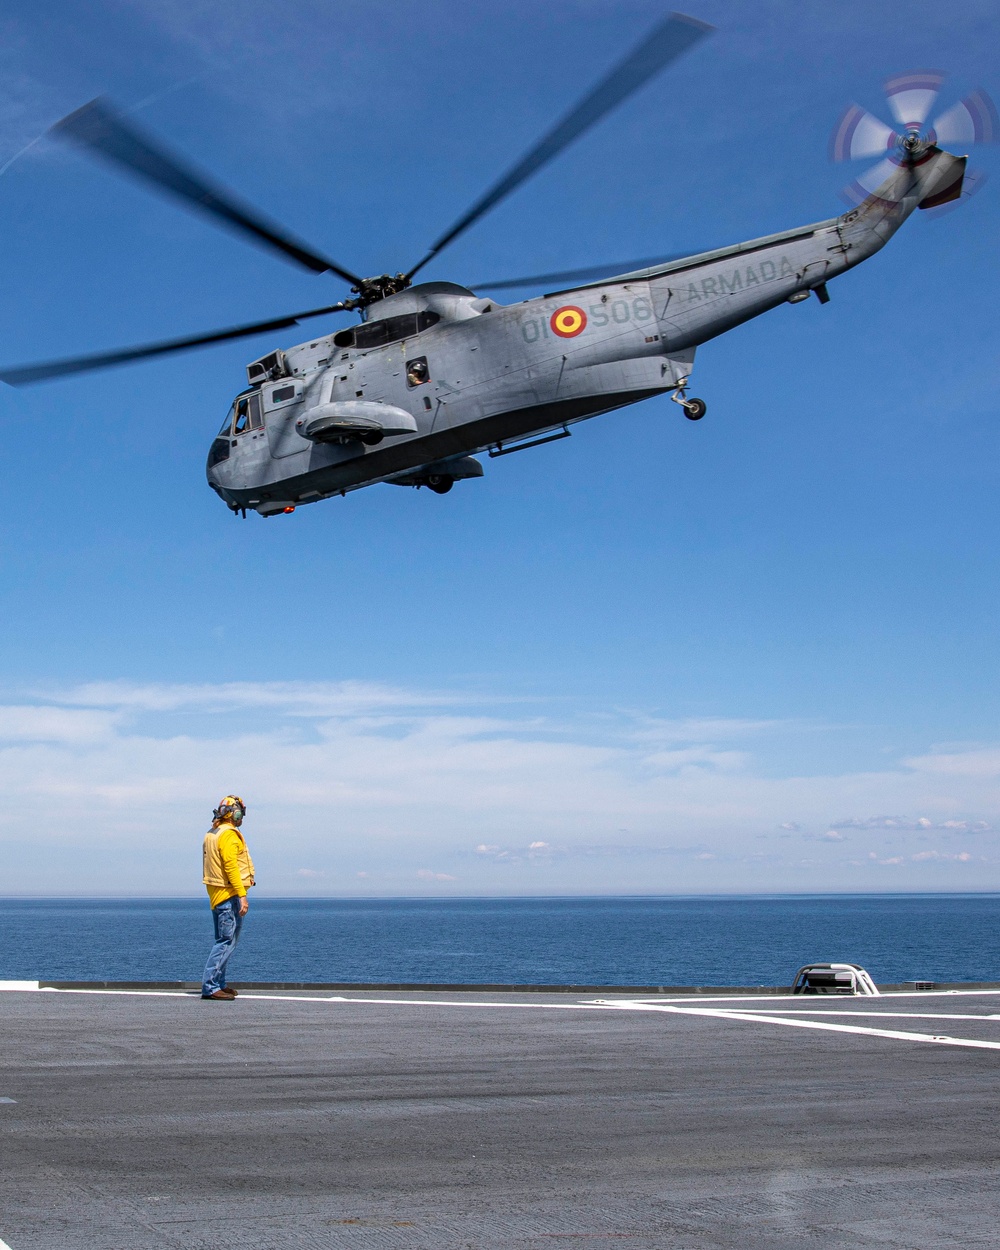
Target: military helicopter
{"x":434,"y":374}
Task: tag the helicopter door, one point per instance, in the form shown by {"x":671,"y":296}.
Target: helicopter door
{"x":248,"y":414}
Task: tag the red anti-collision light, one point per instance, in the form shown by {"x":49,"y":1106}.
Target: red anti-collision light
{"x":287,"y":509}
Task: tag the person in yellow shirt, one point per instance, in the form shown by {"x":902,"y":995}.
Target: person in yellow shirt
{"x":227,"y":873}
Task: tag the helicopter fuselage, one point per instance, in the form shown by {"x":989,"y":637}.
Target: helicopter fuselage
{"x":436,"y":374}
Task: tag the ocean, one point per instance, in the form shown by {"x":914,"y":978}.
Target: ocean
{"x":749,"y":940}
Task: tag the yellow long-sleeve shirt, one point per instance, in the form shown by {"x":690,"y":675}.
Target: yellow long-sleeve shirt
{"x":231,"y":843}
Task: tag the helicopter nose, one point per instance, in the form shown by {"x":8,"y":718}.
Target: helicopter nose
{"x":218,"y":457}
{"x":218,"y":453}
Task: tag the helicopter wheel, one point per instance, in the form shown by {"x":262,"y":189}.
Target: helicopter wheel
{"x":695,"y":409}
{"x":440,"y":485}
{"x":372,"y":439}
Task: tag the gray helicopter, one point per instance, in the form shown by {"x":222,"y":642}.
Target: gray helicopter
{"x":434,"y":374}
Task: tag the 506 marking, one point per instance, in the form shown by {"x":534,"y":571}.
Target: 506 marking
{"x":570,"y":320}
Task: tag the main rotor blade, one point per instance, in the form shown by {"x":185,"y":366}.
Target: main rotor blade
{"x":99,"y":127}
{"x":592,"y":272}
{"x":24,"y":375}
{"x":667,"y":41}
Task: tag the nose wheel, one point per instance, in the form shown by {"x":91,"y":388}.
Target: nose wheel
{"x":694,"y":409}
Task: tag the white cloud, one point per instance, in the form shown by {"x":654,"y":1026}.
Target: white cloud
{"x":26,"y":723}
{"x":963,"y":857}
{"x":982,"y":762}
{"x":351,"y":778}
{"x":344,"y":698}
{"x":907,"y":823}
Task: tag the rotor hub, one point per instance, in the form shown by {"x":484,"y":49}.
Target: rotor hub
{"x":371,"y":290}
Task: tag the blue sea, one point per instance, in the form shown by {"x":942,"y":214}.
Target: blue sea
{"x":567,"y":941}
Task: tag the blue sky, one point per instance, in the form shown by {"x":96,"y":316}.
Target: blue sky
{"x":756,"y":652}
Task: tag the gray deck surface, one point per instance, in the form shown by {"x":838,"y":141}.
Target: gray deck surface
{"x":429,"y":1123}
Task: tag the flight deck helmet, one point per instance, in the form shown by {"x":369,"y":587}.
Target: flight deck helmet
{"x":231,"y":809}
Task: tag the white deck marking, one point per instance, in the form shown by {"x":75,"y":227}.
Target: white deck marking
{"x":894,"y":1015}
{"x":765,"y":1015}
{"x":752,"y":1018}
{"x":247,"y":996}
{"x":17,"y":985}
{"x":3,"y":1245}
{"x":796,"y":998}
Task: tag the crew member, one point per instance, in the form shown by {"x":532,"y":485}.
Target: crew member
{"x":228,"y":874}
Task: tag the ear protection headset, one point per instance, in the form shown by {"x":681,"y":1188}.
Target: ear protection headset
{"x":231,"y":808}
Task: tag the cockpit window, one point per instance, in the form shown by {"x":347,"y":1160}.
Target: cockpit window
{"x":390,"y":330}
{"x":248,"y":414}
{"x":227,"y":425}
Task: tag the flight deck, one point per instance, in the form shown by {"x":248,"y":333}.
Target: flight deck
{"x":443,"y":1120}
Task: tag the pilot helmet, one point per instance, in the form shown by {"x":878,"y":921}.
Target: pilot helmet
{"x":231,"y":809}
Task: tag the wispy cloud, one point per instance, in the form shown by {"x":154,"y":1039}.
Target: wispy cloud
{"x":910,"y":824}
{"x":450,"y":790}
{"x":347,"y":698}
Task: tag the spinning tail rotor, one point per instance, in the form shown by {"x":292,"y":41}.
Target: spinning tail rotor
{"x":860,"y":135}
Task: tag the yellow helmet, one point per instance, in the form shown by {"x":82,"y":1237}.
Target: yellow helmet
{"x":231,"y":809}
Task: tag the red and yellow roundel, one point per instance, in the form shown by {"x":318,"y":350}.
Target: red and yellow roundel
{"x":568,"y":321}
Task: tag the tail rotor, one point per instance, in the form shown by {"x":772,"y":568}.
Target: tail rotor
{"x":911,"y":97}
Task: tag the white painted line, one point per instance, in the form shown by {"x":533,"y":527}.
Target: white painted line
{"x":894,"y":1015}
{"x":3,"y":1245}
{"x":248,"y":997}
{"x":16,"y":985}
{"x":750,"y":1018}
{"x":421,"y":1002}
{"x":52,"y":989}
{"x":802,"y":998}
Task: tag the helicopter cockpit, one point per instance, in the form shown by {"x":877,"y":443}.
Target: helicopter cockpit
{"x":244,"y":416}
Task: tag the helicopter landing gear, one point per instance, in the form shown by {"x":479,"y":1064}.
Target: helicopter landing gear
{"x":373,"y":439}
{"x":440,"y":485}
{"x":694,"y":409}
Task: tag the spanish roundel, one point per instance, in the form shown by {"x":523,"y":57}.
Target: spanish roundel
{"x":568,"y":321}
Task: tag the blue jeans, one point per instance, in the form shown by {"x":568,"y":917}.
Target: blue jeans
{"x":228,"y":923}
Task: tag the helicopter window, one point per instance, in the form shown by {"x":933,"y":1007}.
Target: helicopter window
{"x":219,"y":450}
{"x":417,"y":372}
{"x":248,"y":415}
{"x":227,"y":425}
{"x":242,"y":423}
{"x":282,"y":393}
{"x":390,"y":330}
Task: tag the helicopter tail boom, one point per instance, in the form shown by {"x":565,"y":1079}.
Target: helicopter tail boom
{"x":933,"y":179}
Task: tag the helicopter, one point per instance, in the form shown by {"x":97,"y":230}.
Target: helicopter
{"x":434,"y":374}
